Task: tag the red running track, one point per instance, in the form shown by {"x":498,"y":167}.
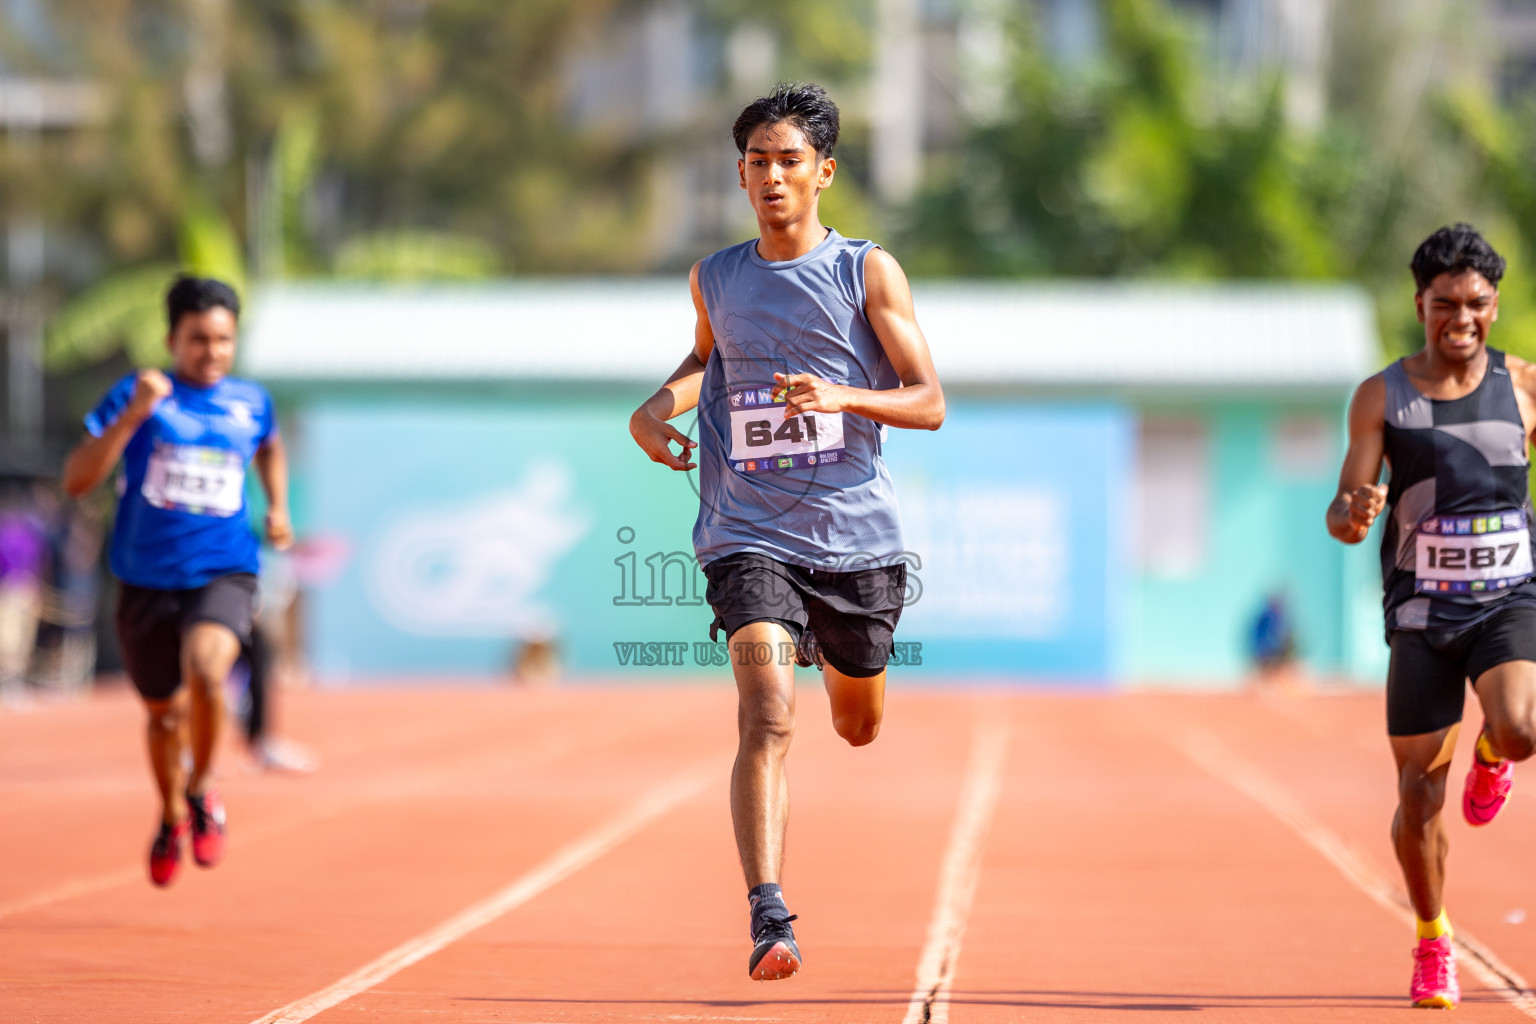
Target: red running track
{"x":994,"y":856}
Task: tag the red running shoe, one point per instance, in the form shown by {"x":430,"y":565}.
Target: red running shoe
{"x":165,"y":854}
{"x":207,"y":827}
{"x":1486,"y":791}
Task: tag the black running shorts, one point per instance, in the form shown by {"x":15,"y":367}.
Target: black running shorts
{"x":853,"y":614}
{"x":151,"y":623}
{"x":1426,"y":682}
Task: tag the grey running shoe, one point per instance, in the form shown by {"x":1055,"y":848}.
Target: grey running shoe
{"x":774,"y":953}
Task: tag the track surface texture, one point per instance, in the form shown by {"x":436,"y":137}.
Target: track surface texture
{"x":565,"y":856}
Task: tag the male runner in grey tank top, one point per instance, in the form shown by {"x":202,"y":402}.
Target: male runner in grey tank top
{"x":806,"y":347}
{"x":1452,"y":423}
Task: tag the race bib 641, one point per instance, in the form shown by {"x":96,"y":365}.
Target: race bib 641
{"x":763,"y":439}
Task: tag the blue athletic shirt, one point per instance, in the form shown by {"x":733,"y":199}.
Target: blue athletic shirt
{"x":181,"y":515}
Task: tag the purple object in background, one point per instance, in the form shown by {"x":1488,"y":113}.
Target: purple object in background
{"x":23,"y":543}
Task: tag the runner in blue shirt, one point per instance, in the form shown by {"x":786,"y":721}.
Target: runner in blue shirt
{"x":182,"y":545}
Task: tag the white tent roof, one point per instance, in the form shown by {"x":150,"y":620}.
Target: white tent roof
{"x":981,"y":333}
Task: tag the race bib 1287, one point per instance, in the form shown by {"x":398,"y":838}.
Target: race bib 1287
{"x":763,"y":439}
{"x":192,"y":478}
{"x":1472,"y":554}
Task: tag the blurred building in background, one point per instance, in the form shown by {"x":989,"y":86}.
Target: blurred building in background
{"x":1514,"y":28}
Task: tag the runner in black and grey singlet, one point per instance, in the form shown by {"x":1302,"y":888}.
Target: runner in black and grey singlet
{"x":805,"y":350}
{"x":1452,"y":424}
{"x":1457,"y":540}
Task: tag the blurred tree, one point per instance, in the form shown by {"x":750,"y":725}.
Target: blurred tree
{"x":421,"y":139}
{"x":374,"y":139}
{"x":1499,"y":145}
{"x":314,"y":136}
{"x":1156,"y":163}
{"x":1132,"y":169}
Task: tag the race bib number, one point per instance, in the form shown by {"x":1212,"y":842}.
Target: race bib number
{"x":1471,"y":554}
{"x":190,"y":478}
{"x":763,"y":440}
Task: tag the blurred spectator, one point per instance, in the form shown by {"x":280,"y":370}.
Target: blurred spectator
{"x":23,"y":549}
{"x":1273,"y":641}
{"x":536,"y":659}
{"x":66,"y":638}
{"x":273,"y":660}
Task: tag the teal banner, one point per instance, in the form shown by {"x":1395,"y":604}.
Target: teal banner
{"x":477,"y":527}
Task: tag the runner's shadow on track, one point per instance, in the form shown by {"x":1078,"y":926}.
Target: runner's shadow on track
{"x":729,"y":1004}
{"x":1153,"y":1002}
{"x":1185,"y":1001}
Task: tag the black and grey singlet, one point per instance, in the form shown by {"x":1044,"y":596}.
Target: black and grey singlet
{"x":1459,"y":530}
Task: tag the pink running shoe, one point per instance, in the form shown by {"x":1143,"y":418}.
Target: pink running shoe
{"x":165,"y":853}
{"x":1434,"y":975}
{"x":1486,"y":790}
{"x":207,"y":827}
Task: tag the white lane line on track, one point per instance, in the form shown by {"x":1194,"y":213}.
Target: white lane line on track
{"x":70,"y":890}
{"x":560,"y":865}
{"x":1222,"y":762}
{"x":140,"y":873}
{"x":961,"y":868}
{"x":385,"y":789}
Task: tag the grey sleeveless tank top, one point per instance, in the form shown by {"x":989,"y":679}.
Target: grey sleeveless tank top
{"x":1459,"y":527}
{"x":811,"y":490}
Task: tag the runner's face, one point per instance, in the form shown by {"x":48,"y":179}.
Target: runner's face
{"x":203,"y":346}
{"x":782,"y":175}
{"x":1457,"y":311}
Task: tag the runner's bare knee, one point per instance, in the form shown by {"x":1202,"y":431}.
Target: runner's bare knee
{"x":209,"y":654}
{"x":1514,"y":739}
{"x":766,"y":720}
{"x":165,"y":716}
{"x":856,"y":727}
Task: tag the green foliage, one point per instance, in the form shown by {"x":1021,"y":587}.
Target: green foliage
{"x":121,"y":311}
{"x":1133,"y":171}
{"x":390,"y":140}
{"x":415,"y":256}
{"x":1502,"y":145}
{"x":209,"y":248}
{"x":818,"y":41}
{"x":1153,"y":164}
{"x":295,"y":160}
{"x":352,"y":132}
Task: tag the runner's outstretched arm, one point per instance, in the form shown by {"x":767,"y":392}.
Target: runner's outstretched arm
{"x":271,"y":462}
{"x":919,"y":402}
{"x":648,"y":424}
{"x":93,"y":458}
{"x":1360,"y":498}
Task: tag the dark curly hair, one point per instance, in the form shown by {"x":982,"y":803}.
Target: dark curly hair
{"x":198,"y":295}
{"x":807,"y":107}
{"x":1452,"y":250}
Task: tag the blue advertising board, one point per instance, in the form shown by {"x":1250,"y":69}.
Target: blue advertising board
{"x":1018,"y":513}
{"x":476,"y":525}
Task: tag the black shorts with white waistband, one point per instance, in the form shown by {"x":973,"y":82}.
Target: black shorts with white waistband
{"x":1427,"y":678}
{"x":853,"y":614}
